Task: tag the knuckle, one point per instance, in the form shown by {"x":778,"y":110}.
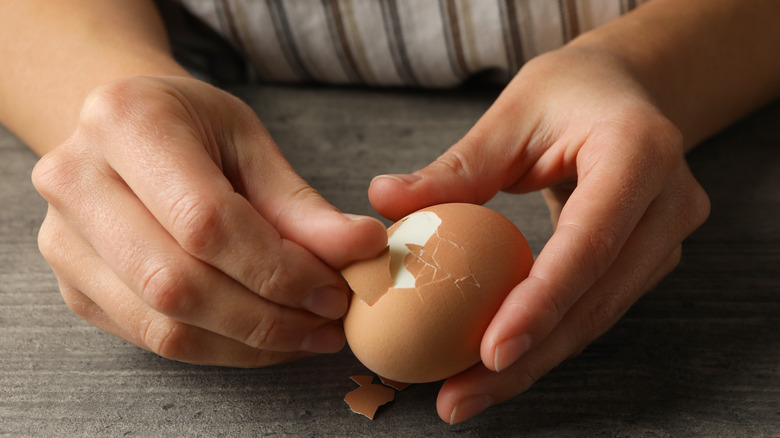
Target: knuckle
{"x":46,"y":172}
{"x":165,"y":289}
{"x":454,"y":162}
{"x":596,"y":247}
{"x":690,"y":201}
{"x":272,"y":281}
{"x":54,"y":175}
{"x":167,"y":338}
{"x":305,"y":193}
{"x":301,"y":195}
{"x":132,"y":107}
{"x":117,"y":101}
{"x":478,"y":179}
{"x":601,"y":317}
{"x":526,"y":375}
{"x":700,"y":206}
{"x":108,"y":103}
{"x":667,"y":265}
{"x":49,"y":240}
{"x":264,"y":334}
{"x":77,"y":302}
{"x":195,"y":222}
{"x":553,"y":306}
{"x":653,"y":151}
{"x":601,"y":243}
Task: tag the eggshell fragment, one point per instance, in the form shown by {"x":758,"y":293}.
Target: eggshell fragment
{"x":366,"y":399}
{"x":362,"y":380}
{"x":398,"y":386}
{"x":371,"y":277}
{"x":430,"y":328}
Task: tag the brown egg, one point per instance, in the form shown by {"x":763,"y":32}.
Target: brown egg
{"x":421,"y":307}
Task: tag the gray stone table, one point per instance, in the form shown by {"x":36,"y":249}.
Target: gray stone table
{"x":699,"y":356}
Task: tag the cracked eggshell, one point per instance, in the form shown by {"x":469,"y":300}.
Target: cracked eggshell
{"x":421,"y":307}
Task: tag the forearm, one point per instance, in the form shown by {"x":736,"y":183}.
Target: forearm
{"x":55,"y":52}
{"x":706,"y":62}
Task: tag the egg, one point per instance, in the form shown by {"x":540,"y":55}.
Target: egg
{"x":419,"y":309}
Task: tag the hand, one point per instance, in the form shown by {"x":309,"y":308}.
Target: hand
{"x":576,"y":124}
{"x":174,"y":222}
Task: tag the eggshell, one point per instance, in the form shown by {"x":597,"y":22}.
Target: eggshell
{"x":461,"y":270}
{"x":367,"y":398}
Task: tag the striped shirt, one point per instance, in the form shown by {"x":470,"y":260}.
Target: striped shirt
{"x":427,"y":43}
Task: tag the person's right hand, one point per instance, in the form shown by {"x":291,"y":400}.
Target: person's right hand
{"x":175,"y":222}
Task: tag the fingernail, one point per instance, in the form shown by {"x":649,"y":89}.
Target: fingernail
{"x":324,"y":339}
{"x":328,"y":302}
{"x":405,"y":178}
{"x":357,"y":217}
{"x":508,"y":351}
{"x":469,"y":407}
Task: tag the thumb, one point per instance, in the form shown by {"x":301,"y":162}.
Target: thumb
{"x":298,"y":212}
{"x":237,"y":141}
{"x":468,"y":172}
{"x":302,"y":215}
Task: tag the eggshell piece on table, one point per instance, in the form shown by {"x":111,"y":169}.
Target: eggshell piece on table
{"x":450,"y":268}
{"x":398,"y":386}
{"x":367,"y":398}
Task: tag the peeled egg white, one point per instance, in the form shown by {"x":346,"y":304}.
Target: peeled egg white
{"x":421,"y":307}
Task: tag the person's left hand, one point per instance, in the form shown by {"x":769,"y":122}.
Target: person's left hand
{"x":577,"y":124}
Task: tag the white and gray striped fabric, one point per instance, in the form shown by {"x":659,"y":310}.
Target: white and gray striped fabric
{"x":427,"y":43}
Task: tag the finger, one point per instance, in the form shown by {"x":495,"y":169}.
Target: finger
{"x":179,"y":183}
{"x":90,"y":312}
{"x":638,"y":269}
{"x":555,"y":197}
{"x":472,"y":171}
{"x":271,"y":198}
{"x":169,"y":338}
{"x":571,"y":262}
{"x":613,"y":193}
{"x":145,"y":258}
{"x":87,"y":310}
{"x":301,"y":214}
{"x":66,"y":254}
{"x":57,"y":251}
{"x":172,"y":339}
{"x":53,"y":245}
{"x":471,"y":392}
{"x":504,"y":145}
{"x":111,"y":306}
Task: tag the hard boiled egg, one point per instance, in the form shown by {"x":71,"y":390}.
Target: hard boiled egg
{"x":420,"y":308}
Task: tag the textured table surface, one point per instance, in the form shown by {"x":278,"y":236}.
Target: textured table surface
{"x":699,"y":356}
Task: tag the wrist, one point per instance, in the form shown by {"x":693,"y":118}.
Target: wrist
{"x":706,"y":63}
{"x":55,"y":53}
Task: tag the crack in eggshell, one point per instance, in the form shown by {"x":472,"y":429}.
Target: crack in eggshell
{"x":430,"y":327}
{"x":438,"y":261}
